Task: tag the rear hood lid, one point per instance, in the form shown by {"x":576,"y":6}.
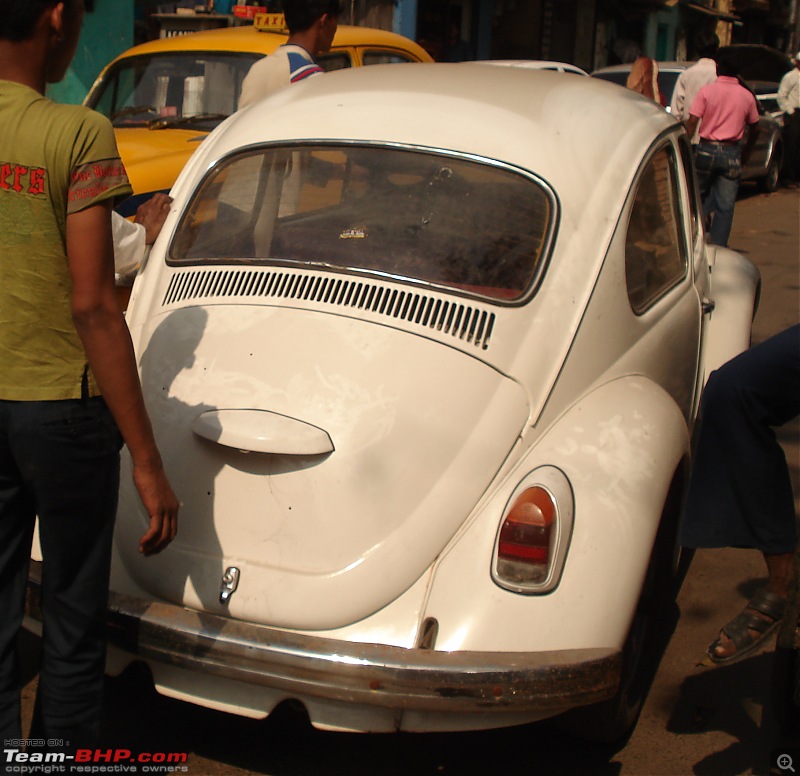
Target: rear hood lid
{"x":367,"y":448}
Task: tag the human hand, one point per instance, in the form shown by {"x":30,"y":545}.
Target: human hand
{"x":161,"y":505}
{"x":152,"y":214}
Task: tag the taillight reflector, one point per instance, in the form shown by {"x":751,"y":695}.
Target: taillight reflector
{"x":526,"y":537}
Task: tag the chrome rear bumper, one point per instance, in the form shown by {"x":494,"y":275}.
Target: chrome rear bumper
{"x":375,"y":675}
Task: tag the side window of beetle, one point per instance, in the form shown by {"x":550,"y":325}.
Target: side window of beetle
{"x":655,"y":251}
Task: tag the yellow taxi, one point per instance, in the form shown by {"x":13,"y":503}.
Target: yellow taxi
{"x":163,"y":97}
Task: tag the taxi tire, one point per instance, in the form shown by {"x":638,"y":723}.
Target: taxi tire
{"x":771,"y":181}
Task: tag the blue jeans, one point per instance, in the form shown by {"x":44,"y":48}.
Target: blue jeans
{"x":58,"y":460}
{"x":719,"y":171}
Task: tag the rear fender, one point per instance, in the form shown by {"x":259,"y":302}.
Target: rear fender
{"x":619,"y":448}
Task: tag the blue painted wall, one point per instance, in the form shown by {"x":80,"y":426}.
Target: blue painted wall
{"x":405,"y":23}
{"x":107,"y":31}
{"x":405,"y":18}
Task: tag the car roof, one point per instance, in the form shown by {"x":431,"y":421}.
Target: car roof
{"x":534,"y":64}
{"x":760,"y":87}
{"x":247,"y":39}
{"x":763,"y":87}
{"x":515,"y":116}
{"x":663,"y":67}
{"x":759,"y":62}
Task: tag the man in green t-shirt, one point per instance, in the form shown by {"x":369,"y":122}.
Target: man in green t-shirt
{"x":69,"y":388}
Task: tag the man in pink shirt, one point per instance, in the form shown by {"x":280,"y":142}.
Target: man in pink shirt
{"x":726,"y":112}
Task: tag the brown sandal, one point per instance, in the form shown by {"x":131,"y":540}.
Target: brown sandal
{"x":739,"y":629}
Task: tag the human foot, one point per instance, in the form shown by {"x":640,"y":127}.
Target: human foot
{"x":746,"y":632}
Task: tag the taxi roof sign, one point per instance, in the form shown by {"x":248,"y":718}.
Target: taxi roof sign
{"x":270,"y":22}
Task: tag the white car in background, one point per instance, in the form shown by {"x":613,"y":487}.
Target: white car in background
{"x":534,"y":64}
{"x":424,"y":361}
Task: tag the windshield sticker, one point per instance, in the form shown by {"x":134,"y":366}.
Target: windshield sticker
{"x":354,"y":233}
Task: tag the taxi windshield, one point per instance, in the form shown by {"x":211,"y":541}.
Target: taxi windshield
{"x":192,"y":89}
{"x":417,"y":216}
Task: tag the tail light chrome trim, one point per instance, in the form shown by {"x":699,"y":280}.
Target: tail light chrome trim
{"x":534,"y":533}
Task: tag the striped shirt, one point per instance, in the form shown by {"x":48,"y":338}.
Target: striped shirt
{"x":301,"y":67}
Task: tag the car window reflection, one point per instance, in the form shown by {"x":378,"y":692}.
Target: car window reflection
{"x":412,"y":215}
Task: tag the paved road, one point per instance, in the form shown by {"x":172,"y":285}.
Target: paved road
{"x":696,"y":720}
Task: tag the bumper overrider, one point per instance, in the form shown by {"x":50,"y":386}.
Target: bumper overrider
{"x":376,"y":675}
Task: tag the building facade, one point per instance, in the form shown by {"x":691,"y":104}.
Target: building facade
{"x":587,"y":33}
{"x":108,"y":30}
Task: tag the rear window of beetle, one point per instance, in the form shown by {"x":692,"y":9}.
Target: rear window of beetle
{"x":420,"y":217}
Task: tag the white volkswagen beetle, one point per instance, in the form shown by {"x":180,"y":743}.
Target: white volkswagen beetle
{"x":424,"y":348}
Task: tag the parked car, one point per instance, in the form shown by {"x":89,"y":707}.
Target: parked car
{"x":426,"y":398}
{"x":165,"y":96}
{"x":760,"y":63}
{"x":668,"y":73}
{"x":765,"y":162}
{"x":535,"y":64}
{"x":767,"y":95}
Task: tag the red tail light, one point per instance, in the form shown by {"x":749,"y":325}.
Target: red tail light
{"x":526,"y":537}
{"x":526,"y":532}
{"x":534,"y":534}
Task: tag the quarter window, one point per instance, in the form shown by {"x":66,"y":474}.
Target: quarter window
{"x":655,"y":249}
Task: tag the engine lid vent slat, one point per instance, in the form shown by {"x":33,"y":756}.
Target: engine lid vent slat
{"x":465,"y":322}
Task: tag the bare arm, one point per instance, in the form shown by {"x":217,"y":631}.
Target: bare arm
{"x":109,"y":350}
{"x":691,"y":125}
{"x":678,"y":99}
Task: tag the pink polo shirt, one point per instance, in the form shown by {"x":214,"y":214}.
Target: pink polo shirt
{"x":724,"y":108}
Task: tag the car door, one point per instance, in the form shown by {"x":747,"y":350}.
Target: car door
{"x":760,"y":156}
{"x":693,"y":226}
{"x":661,"y":244}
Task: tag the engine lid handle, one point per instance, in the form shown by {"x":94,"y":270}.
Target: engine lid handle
{"x":262,"y":431}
